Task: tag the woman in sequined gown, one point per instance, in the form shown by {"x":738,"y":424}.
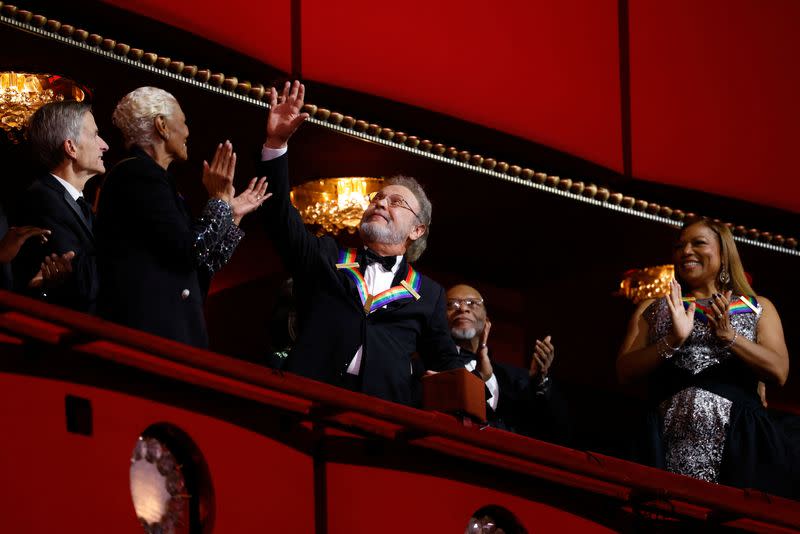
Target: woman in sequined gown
{"x":155,"y":261}
{"x":704,"y":348}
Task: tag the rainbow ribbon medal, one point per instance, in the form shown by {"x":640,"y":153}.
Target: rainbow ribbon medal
{"x":408,"y":288}
{"x":737,"y":306}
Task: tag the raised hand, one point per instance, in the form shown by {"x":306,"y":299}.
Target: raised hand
{"x":484,"y":365}
{"x":720,"y":321}
{"x":250,"y":199}
{"x":218,"y":177}
{"x":16,"y":237}
{"x":542,"y":359}
{"x":682,"y":319}
{"x":53,"y":271}
{"x":285,"y":114}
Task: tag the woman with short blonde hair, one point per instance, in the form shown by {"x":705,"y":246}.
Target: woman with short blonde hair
{"x":155,"y":260}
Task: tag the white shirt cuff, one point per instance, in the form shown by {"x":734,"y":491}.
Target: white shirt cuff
{"x":494,"y":389}
{"x":268,"y":153}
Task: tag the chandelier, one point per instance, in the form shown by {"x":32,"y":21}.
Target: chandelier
{"x":647,"y":283}
{"x":334,"y":204}
{"x":22,"y":93}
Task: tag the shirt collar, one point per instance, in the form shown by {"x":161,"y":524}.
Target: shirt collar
{"x":73,"y":192}
{"x":397,"y":261}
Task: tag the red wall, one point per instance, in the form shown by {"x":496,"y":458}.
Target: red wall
{"x":259,"y":29}
{"x":714,"y":96}
{"x":529,"y":69}
{"x":82,"y":483}
{"x":444,"y":504}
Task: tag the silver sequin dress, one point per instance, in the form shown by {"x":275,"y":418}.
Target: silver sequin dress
{"x":695,"y":421}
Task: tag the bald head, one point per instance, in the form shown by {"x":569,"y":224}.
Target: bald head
{"x":463,"y":291}
{"x":466,"y":312}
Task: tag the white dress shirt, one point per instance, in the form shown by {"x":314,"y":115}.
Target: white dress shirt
{"x":378,"y":279}
{"x":73,"y":192}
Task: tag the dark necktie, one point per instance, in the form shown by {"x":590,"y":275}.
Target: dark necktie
{"x":86,"y":209}
{"x":386,"y":261}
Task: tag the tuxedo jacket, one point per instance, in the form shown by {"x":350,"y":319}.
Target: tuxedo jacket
{"x":147,"y":260}
{"x":332,"y":319}
{"x":47,"y":204}
{"x":523,"y":407}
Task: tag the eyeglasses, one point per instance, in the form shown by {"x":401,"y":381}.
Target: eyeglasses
{"x":394,"y":201}
{"x":457,"y":304}
{"x":482,"y":526}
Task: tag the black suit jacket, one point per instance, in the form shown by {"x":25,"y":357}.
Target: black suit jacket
{"x":148,"y":267}
{"x":332,"y":321}
{"x":523,"y":407}
{"x":47,"y":204}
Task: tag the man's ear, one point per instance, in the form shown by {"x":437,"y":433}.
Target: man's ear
{"x":70,"y":150}
{"x":418,"y":231}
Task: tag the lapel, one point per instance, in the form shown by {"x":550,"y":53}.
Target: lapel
{"x":53,"y":184}
{"x":405,"y":286}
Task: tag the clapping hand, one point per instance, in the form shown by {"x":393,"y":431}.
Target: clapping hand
{"x":218,"y":177}
{"x":721,"y":321}
{"x":12,"y":242}
{"x":285,"y":115}
{"x":484,"y":365}
{"x":682,"y":319}
{"x":53,"y":271}
{"x":543,"y":356}
{"x":250,"y":199}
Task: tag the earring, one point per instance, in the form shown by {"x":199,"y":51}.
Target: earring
{"x":724,"y":277}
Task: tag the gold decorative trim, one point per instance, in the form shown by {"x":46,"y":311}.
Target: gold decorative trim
{"x":253,"y":93}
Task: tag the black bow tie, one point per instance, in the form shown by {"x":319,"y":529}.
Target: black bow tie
{"x":386,"y":261}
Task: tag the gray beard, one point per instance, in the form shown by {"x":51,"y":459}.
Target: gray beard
{"x":463,"y":334}
{"x":377,"y":233}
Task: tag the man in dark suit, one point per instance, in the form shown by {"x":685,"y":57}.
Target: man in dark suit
{"x":65,"y":137}
{"x":518,"y":400}
{"x":362,"y":312}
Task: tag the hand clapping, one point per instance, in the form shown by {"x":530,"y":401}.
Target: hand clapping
{"x":250,"y":199}
{"x":12,"y":242}
{"x":720,"y":319}
{"x":484,"y":365}
{"x":54,"y":270}
{"x":543,"y":356}
{"x":682,"y":319}
{"x":218,"y":177}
